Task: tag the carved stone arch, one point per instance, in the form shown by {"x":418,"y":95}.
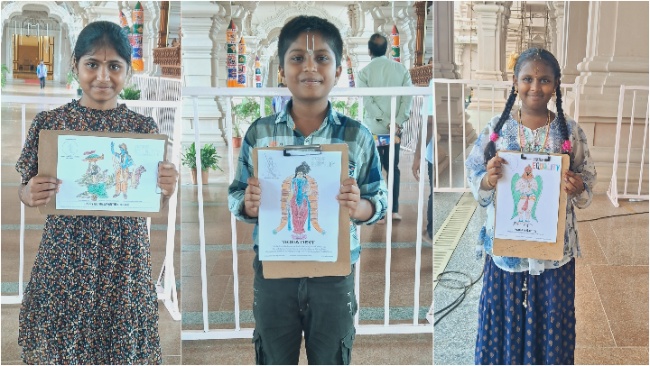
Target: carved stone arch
{"x":54,"y":11}
{"x":295,"y":9}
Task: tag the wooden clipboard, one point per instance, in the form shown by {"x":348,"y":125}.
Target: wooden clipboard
{"x":48,"y":149}
{"x":534,"y":249}
{"x":298,"y":269}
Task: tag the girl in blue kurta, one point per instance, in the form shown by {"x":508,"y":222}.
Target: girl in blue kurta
{"x":526,"y":309}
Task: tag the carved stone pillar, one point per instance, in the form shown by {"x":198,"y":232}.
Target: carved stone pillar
{"x":491,"y":22}
{"x":449,"y":125}
{"x":556,"y":28}
{"x":616,"y":53}
{"x":203,"y":31}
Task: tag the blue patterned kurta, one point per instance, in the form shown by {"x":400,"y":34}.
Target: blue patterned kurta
{"x":544,"y":331}
{"x":509,"y":140}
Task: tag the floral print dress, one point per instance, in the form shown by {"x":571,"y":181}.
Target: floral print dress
{"x":91,"y":298}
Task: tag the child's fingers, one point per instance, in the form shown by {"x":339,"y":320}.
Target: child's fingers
{"x":252,"y":181}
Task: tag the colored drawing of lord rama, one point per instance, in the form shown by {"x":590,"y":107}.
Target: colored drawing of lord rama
{"x":122,"y":162}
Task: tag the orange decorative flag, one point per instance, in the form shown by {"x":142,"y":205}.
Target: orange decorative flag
{"x":394,"y":40}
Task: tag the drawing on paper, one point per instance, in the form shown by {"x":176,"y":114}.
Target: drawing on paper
{"x":526,"y":191}
{"x":94,"y":179}
{"x":299,"y":204}
{"x":122,"y":161}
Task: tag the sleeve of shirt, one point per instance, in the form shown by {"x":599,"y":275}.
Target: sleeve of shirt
{"x":583,"y":165}
{"x":27,"y":164}
{"x":370,"y":105}
{"x":404,"y":108}
{"x":476,"y":169}
{"x":240,"y":182}
{"x":371,"y":183}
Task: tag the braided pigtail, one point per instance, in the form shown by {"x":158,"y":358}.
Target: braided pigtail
{"x":491,"y":148}
{"x":566,"y":145}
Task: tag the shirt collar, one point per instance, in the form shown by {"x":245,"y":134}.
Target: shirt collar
{"x":284,"y":115}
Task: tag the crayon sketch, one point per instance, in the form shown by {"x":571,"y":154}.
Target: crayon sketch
{"x":299,"y":213}
{"x":527,"y":199}
{"x":299,"y":203}
{"x":100,"y":173}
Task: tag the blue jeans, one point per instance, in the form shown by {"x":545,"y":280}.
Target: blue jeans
{"x":321,"y":307}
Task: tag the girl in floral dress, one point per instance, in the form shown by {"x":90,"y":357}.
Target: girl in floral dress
{"x":91,"y":298}
{"x":526,"y":308}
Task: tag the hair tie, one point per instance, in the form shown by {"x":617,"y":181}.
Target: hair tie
{"x":566,"y":146}
{"x":495,"y":136}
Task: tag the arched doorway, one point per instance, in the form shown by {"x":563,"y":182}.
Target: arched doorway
{"x":34,"y":38}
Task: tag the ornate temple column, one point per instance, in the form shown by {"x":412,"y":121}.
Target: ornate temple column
{"x":556,"y":28}
{"x":444,"y":67}
{"x":572,"y":47}
{"x":491,"y":22}
{"x":616,"y":53}
{"x":203,"y":34}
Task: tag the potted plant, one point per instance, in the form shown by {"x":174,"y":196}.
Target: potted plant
{"x":236,"y":133}
{"x":209,"y":160}
{"x":5,"y":71}
{"x":72,"y":82}
{"x":70,"y":79}
{"x":130,"y":93}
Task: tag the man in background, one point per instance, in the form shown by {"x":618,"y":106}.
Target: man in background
{"x":41,"y":72}
{"x":382,"y":72}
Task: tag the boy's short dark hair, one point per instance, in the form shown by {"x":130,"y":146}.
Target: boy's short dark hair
{"x":303,"y":23}
{"x":377,"y":45}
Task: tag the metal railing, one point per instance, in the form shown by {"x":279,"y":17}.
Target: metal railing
{"x":194,"y":93}
{"x":166,"y":283}
{"x":631,"y":162}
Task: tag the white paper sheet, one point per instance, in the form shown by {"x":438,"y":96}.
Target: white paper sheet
{"x":90,"y":171}
{"x":528,"y":197}
{"x":307,"y":228}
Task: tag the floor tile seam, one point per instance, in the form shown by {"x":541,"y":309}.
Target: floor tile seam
{"x":598,"y":241}
{"x":223,"y":298}
{"x":600,"y":300}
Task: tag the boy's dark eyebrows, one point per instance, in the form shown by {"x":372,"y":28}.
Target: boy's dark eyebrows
{"x":91,"y":58}
{"x":300,"y":49}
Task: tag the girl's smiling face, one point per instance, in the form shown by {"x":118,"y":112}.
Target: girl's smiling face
{"x":102,"y":74}
{"x":536,"y":83}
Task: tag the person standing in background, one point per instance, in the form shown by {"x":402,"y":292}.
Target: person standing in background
{"x":382,"y":72}
{"x":279,"y":102}
{"x":41,"y":72}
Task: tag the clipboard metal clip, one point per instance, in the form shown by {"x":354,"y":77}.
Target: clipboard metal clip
{"x":302,"y":150}
{"x":547,"y":158}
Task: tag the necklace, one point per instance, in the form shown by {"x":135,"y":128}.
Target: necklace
{"x":522,"y":136}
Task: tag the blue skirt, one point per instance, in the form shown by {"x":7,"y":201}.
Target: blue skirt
{"x":541,"y":333}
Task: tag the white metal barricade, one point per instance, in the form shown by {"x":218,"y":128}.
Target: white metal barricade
{"x":237,"y":332}
{"x":166,"y":284}
{"x":631,"y":162}
{"x":487,"y":101}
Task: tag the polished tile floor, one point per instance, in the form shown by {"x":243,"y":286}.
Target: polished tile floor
{"x":10,"y":149}
{"x":611,"y":287}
